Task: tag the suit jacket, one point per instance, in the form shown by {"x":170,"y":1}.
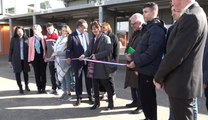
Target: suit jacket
{"x":14,"y":55}
{"x":75,"y":49}
{"x":103,"y":51}
{"x":181,"y":68}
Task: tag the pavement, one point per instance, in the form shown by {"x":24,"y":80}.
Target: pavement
{"x":32,"y":106}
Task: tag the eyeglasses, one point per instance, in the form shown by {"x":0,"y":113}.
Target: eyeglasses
{"x":132,"y":24}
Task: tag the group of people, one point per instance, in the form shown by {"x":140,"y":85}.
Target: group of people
{"x":36,"y":52}
{"x":62,"y":53}
{"x":171,"y":60}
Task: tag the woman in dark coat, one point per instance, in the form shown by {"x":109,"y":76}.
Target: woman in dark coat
{"x":106,"y":28}
{"x":18,"y":57}
{"x":99,"y":49}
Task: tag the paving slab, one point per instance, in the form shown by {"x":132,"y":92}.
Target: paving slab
{"x":32,"y":106}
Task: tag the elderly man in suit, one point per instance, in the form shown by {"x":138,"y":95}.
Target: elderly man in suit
{"x":180,"y":72}
{"x":77,"y":44}
{"x":137,"y":22}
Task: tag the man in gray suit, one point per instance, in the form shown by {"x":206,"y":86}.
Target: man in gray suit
{"x":180,"y":72}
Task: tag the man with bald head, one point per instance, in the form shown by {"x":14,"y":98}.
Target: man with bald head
{"x":180,"y":72}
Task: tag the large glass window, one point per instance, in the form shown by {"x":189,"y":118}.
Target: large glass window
{"x":122,"y":33}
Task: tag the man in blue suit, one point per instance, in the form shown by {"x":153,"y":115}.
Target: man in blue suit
{"x":77,"y":44}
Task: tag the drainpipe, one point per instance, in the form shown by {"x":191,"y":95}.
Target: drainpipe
{"x":10,"y":28}
{"x":100,"y":7}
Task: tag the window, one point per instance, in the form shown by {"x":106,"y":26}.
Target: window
{"x":122,"y":33}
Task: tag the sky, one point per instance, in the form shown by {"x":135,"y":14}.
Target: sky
{"x":21,"y":5}
{"x":12,"y":3}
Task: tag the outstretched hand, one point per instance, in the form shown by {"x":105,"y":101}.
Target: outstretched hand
{"x":81,"y":57}
{"x":68,"y":61}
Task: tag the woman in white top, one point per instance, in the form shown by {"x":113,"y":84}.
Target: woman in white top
{"x":64,"y":70}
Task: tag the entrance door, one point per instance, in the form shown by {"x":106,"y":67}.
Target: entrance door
{"x":4,"y":39}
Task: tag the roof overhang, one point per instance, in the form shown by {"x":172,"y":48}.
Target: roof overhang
{"x":115,"y":8}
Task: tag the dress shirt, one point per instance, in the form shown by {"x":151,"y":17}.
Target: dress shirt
{"x":82,"y":40}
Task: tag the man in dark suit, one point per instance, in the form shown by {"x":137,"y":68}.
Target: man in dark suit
{"x":180,"y":72}
{"x":77,"y":44}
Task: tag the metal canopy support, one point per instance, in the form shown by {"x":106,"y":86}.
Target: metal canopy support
{"x":100,"y":14}
{"x":34,"y":19}
{"x":100,"y":4}
{"x":10,"y":28}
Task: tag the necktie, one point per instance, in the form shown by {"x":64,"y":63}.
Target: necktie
{"x":83,"y":42}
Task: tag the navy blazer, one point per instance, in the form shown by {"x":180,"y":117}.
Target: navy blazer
{"x":75,"y":49}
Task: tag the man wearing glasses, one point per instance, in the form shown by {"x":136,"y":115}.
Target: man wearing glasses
{"x":137,"y":22}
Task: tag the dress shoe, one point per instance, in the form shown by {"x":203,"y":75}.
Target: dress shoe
{"x":91,"y":101}
{"x":21,"y":91}
{"x":43,"y":91}
{"x":78,"y":102}
{"x":110,"y":107}
{"x":95,"y":106}
{"x":137,"y":111}
{"x":53,"y":92}
{"x":27,"y":88}
{"x":39,"y":91}
{"x":131,"y":105}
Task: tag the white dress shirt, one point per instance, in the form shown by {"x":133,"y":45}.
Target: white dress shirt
{"x":82,"y":40}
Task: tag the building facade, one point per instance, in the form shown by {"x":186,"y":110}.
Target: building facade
{"x":116,"y":12}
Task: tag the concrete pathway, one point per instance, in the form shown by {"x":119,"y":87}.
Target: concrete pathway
{"x":32,"y":106}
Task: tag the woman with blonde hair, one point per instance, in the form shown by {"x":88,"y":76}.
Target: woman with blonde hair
{"x":106,"y":29}
{"x":64,"y":70}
